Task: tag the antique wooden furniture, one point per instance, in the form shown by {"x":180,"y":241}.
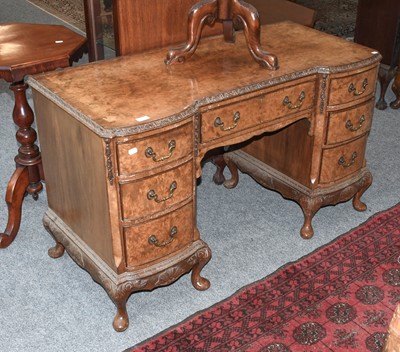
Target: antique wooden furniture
{"x":28,"y":49}
{"x":122,"y":143}
{"x":378,"y":26}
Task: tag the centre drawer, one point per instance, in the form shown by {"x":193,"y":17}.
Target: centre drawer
{"x":342,"y":161}
{"x":156,"y":193}
{"x":245,"y":114}
{"x":158,"y":238}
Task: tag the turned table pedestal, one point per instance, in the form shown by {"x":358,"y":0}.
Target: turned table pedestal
{"x":27,"y":49}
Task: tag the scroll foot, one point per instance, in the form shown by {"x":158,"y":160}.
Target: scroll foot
{"x":200,"y":283}
{"x":57,"y":251}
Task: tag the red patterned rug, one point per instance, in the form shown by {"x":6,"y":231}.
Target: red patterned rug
{"x":339,"y":298}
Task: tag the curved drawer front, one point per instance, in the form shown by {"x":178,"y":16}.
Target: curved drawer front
{"x":348,"y":124}
{"x":342,"y":161}
{"x":145,"y":154}
{"x":244,"y":114}
{"x":156,"y":193}
{"x":158,"y":238}
{"x":352,"y":87}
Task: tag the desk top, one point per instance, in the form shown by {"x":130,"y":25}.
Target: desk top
{"x":139,"y":92}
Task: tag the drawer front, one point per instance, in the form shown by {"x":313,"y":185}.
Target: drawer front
{"x":352,"y":87}
{"x":342,"y":161}
{"x":146,"y":154}
{"x":239,"y":116}
{"x":230,"y":119}
{"x":156,"y":193}
{"x":158,"y":238}
{"x":345,"y":125}
{"x":289,"y":100}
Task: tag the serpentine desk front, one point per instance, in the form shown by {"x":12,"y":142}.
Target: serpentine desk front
{"x":122,"y":143}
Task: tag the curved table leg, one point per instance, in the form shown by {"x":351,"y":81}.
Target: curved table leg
{"x":385,"y":75}
{"x":28,"y":174}
{"x":199,"y":14}
{"x":366,"y":181}
{"x":14,"y":196}
{"x":396,"y":90}
{"x":251,"y":22}
{"x":200,"y":283}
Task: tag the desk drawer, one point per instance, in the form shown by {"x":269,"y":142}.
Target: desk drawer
{"x":158,"y":238}
{"x":145,"y":154}
{"x":342,"y":161}
{"x":156,"y":193}
{"x":352,"y":87}
{"x":239,"y":116}
{"x":289,"y":100}
{"x":351,"y":123}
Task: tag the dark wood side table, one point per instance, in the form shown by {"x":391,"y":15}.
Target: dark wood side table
{"x":27,"y":49}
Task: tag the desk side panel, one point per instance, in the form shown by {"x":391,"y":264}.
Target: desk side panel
{"x":75,"y":172}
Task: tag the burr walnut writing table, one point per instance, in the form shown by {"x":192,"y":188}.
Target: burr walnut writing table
{"x":122,"y":144}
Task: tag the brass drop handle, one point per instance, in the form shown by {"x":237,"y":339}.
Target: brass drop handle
{"x":353,"y":89}
{"x":289,"y":104}
{"x":349,"y":124}
{"x":152,"y":195}
{"x":154,"y":241}
{"x":343,"y":162}
{"x":218,"y":122}
{"x":149,"y":152}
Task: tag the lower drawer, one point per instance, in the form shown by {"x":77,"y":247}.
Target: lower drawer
{"x":158,"y":238}
{"x":342,"y":161}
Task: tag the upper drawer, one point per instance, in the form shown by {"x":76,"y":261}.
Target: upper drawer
{"x":241,"y":115}
{"x":348,"y":124}
{"x":352,"y":87}
{"x":158,"y":238}
{"x":342,"y":161}
{"x":156,"y":193}
{"x":148,"y":153}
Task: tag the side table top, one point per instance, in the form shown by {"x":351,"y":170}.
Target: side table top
{"x":27,"y":48}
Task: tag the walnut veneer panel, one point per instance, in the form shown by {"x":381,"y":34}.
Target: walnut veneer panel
{"x":174,"y":185}
{"x":215,"y":67}
{"x":137,"y":247}
{"x":131,"y":152}
{"x":351,"y":87}
{"x":343,"y":161}
{"x":350,"y":123}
